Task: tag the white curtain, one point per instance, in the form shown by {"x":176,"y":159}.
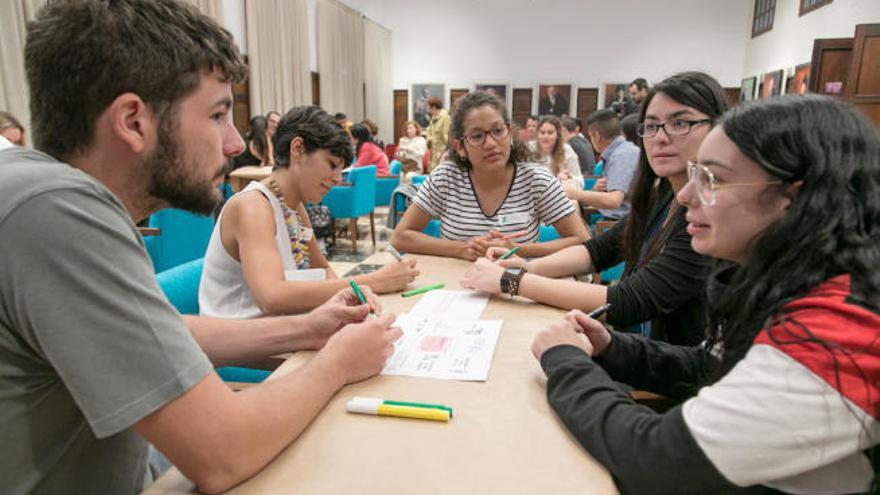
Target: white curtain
{"x":211,"y":8}
{"x":379,"y":93}
{"x":14,"y":98}
{"x":278,"y":51}
{"x":340,"y":34}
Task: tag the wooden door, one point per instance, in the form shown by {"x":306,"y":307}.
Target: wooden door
{"x":241,"y":106}
{"x":830,"y":65}
{"x":454,"y":95}
{"x":316,"y":89}
{"x":863,"y":88}
{"x":587,"y":103}
{"x":522,"y":105}
{"x":401,"y":112}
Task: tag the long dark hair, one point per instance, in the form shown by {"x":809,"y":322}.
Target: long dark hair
{"x":257,"y":136}
{"x":362,"y":134}
{"x":831,"y":228}
{"x":471,"y":101}
{"x":701,"y":92}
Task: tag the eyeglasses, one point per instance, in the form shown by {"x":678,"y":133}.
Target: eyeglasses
{"x":707,"y":185}
{"x":478,"y":137}
{"x":675,"y":127}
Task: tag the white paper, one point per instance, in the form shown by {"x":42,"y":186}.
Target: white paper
{"x":450,"y":304}
{"x":446,"y":349}
{"x":307,"y":275}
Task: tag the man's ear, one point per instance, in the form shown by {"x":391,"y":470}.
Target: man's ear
{"x":132,"y":122}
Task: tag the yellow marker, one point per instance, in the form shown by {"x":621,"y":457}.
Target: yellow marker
{"x":364,"y":405}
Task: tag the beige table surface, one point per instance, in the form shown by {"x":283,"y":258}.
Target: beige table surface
{"x":503,"y":438}
{"x":241,"y":177}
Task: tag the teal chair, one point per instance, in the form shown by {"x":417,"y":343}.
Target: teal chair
{"x":614,"y":273}
{"x":589,"y":182}
{"x":433,"y":228}
{"x":418,"y":179}
{"x":183,"y":237}
{"x":385,"y":185}
{"x":547,"y":233}
{"x":352,"y":200}
{"x":181,"y":286}
{"x":599,"y":168}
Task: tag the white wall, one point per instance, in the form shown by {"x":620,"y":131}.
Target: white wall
{"x":790,"y":42}
{"x":234,"y":22}
{"x":586,"y":42}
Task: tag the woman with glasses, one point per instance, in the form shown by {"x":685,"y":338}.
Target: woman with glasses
{"x":787,"y":192}
{"x":555,"y":154}
{"x":489,"y":195}
{"x":660,"y":294}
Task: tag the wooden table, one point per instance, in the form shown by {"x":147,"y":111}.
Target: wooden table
{"x":241,"y":177}
{"x":504,"y":438}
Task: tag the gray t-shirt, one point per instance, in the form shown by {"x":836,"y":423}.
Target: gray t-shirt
{"x":621,"y":159}
{"x":89,"y":345}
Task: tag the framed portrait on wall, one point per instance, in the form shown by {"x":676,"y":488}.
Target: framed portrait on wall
{"x":498,"y":89}
{"x":419,"y":94}
{"x":771,"y":84}
{"x":617,"y":98}
{"x":554,"y":99}
{"x":747,"y":89}
{"x":801,"y":80}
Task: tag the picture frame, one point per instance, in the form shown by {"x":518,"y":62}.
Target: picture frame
{"x":771,"y":84}
{"x":502,"y":90}
{"x":419,"y":93}
{"x":747,"y":88}
{"x":555,"y":99}
{"x":801,"y":80}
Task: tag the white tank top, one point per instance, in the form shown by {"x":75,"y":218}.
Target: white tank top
{"x":223,"y":291}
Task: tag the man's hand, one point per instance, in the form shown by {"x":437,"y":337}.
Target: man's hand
{"x":341,"y":309}
{"x":359,"y":350}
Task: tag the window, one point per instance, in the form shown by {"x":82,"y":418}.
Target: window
{"x":811,"y":5}
{"x":764,"y":12}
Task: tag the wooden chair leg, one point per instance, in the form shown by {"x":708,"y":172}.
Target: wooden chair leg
{"x":353,"y":231}
{"x":373,"y":229}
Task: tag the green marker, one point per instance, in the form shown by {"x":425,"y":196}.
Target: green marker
{"x":418,"y":404}
{"x":509,"y":254}
{"x":357,"y":291}
{"x":422,"y":290}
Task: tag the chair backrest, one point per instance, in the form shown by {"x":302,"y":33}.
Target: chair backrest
{"x":183,"y":237}
{"x":364,"y":180}
{"x":181,"y":286}
{"x":385,"y":185}
{"x":599,"y":169}
{"x":418,"y":179}
{"x":589,"y":182}
{"x":615,"y":272}
{"x":432,"y":228}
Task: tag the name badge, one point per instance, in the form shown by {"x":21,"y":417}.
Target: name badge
{"x":514,"y":218}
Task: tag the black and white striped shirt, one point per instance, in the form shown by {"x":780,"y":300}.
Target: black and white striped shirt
{"x":534,"y":197}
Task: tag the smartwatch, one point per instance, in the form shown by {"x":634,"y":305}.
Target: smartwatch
{"x":510,"y":280}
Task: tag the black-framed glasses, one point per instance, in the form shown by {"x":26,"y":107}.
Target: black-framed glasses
{"x":477,"y":137}
{"x":675,"y":127}
{"x":707,"y":185}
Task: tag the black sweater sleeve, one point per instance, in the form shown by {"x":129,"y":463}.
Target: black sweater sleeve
{"x":673,"y":277}
{"x":659,"y":367}
{"x":644,"y":451}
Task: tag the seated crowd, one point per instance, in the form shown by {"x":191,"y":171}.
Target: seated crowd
{"x":750,"y":295}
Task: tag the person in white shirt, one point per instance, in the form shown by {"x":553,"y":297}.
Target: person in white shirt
{"x":553,"y":153}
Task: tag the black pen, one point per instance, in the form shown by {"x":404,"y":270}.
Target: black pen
{"x":601,"y":310}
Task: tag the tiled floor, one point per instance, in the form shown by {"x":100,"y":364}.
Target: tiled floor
{"x":340,"y":256}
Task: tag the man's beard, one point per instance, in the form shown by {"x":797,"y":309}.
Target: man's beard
{"x":173,"y":182}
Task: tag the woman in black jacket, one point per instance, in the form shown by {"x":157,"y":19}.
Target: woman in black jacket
{"x":787,"y":192}
{"x":661,"y":293}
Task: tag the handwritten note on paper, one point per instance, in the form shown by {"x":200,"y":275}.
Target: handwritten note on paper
{"x":450,"y":304}
{"x":445,"y":349}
